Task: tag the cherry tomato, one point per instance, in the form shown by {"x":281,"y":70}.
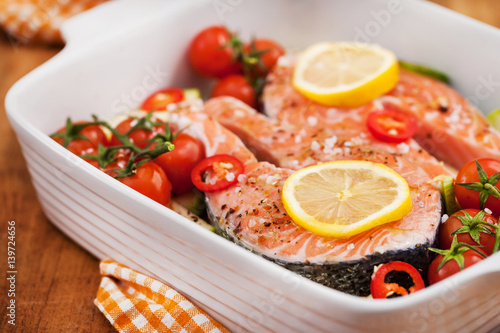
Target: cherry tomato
{"x":269,"y":52}
{"x":91,"y":161}
{"x":211,"y":55}
{"x":80,"y":147}
{"x":469,"y":174}
{"x":451,"y":267}
{"x":235,"y":86}
{"x":382,"y":288}
{"x":160,"y":99}
{"x":453,"y":223}
{"x":225,"y":170}
{"x":119,"y":161}
{"x":93,"y":133}
{"x":140,"y":137}
{"x":150,"y":180}
{"x":179,"y":163}
{"x":390,"y":125}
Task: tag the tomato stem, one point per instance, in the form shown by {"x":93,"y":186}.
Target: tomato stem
{"x":455,"y":252}
{"x":144,"y":156}
{"x":72,"y":132}
{"x":492,"y":190}
{"x":496,"y":246}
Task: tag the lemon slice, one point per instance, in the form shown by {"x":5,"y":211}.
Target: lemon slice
{"x":344,"y":198}
{"x":494,"y":119}
{"x":345,"y":74}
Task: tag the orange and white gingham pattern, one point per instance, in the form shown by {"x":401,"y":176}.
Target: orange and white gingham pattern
{"x":38,"y":21}
{"x":134,"y":302}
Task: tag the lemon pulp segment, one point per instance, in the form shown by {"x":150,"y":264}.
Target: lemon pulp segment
{"x":343,"y":198}
{"x":345,"y":74}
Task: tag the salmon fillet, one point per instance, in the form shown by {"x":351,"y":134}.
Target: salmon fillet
{"x":251,"y":214}
{"x":450,"y":128}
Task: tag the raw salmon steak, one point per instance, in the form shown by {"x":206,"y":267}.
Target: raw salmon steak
{"x":450,"y":128}
{"x":251,"y":213}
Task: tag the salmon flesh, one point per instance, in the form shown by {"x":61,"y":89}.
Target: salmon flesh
{"x":251,"y":213}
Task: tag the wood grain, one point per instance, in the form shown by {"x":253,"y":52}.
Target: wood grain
{"x":57,"y":280}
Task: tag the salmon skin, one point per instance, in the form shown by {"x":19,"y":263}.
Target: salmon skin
{"x":450,"y":128}
{"x":251,"y":213}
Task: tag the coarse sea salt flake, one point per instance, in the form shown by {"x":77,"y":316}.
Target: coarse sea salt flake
{"x":230,"y":176}
{"x":315,"y":145}
{"x":171,"y":107}
{"x":271,"y":180}
{"x":487,"y":210}
{"x":403,"y":148}
{"x":337,"y":151}
{"x":444,"y":218}
{"x":330,"y":142}
{"x":327,"y":150}
{"x":350,"y":246}
{"x":312,"y":121}
{"x":242,"y":178}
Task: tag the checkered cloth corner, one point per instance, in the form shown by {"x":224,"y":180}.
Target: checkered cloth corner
{"x":134,"y":302}
{"x":38,"y":21}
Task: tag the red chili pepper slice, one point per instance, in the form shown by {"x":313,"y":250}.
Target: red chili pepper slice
{"x":222,"y":166}
{"x":391,"y":125}
{"x":159,"y":100}
{"x":382,"y":289}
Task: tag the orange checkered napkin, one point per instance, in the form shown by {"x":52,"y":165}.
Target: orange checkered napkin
{"x":38,"y":21}
{"x":134,"y":302}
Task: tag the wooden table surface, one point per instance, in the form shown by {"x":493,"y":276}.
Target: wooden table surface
{"x":56,"y":280}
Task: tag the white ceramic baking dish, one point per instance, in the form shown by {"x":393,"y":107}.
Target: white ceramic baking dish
{"x":121,"y":51}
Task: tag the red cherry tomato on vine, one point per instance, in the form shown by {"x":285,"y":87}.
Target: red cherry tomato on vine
{"x":93,"y":133}
{"x":391,"y":126}
{"x":120,"y":160}
{"x":382,"y":287}
{"x":179,"y":163}
{"x":150,"y":180}
{"x":93,"y":162}
{"x":211,"y":55}
{"x":224,"y":169}
{"x":159,"y":100}
{"x":451,"y":267}
{"x":469,"y":174}
{"x":80,"y":147}
{"x":453,"y":223}
{"x":140,"y":137}
{"x":271,"y":51}
{"x":235,"y":86}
